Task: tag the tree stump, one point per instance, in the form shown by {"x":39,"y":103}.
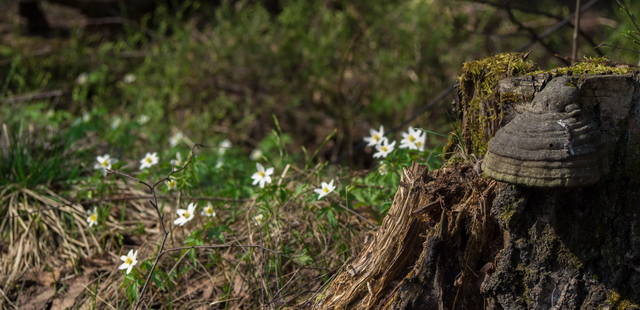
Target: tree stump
{"x":454,"y":239}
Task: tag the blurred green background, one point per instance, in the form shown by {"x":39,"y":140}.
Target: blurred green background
{"x":216,"y":69}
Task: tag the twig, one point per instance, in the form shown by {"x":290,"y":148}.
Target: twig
{"x":576,"y":29}
{"x":220,"y":246}
{"x":441,"y":96}
{"x":277,"y":295}
{"x":7,"y":299}
{"x":165,"y":233}
{"x":558,"y":26}
{"x":596,"y":47}
{"x":356,"y":214}
{"x":144,"y":197}
{"x":34,"y":96}
{"x":154,"y":203}
{"x":519,"y":8}
{"x":426,"y":207}
{"x":534,"y":35}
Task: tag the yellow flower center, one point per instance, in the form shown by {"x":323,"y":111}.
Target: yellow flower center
{"x":128,"y":261}
{"x":209,"y":210}
{"x":418,"y":143}
{"x":93,"y":217}
{"x":104,"y":163}
{"x":376,"y":137}
{"x":326,"y":190}
{"x":411,"y":139}
{"x":384,"y":148}
{"x":148,"y":160}
{"x":261,"y":174}
{"x":186,"y":214}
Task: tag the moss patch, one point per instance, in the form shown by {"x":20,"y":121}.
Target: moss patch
{"x":617,"y":302}
{"x":588,"y":66}
{"x":566,"y":257}
{"x":480,"y":106}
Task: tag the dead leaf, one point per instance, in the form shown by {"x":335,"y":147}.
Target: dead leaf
{"x":75,"y":289}
{"x":41,"y":300}
{"x":239,"y":287}
{"x":207,"y":291}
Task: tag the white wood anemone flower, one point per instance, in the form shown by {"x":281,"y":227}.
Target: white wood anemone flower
{"x":149,"y":160}
{"x":224,"y":146}
{"x":129,"y":78}
{"x":176,"y":138}
{"x":143,"y":119}
{"x":255,"y":154}
{"x":325,"y":189}
{"x":185,"y":215}
{"x":412,"y":139}
{"x":129,"y":260}
{"x":375,"y":137}
{"x":384,"y":148}
{"x":92,"y":219}
{"x":104,"y":163}
{"x":259,"y":219}
{"x":82,"y":78}
{"x":208,"y":211}
{"x":116,"y":122}
{"x":178,"y":162}
{"x":172,"y":184}
{"x":262,"y":176}
{"x":421,"y":142}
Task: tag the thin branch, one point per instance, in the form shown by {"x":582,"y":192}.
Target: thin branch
{"x":533,"y":35}
{"x":219,"y":246}
{"x":356,"y":214}
{"x":558,"y":26}
{"x":576,"y":29}
{"x":34,"y":96}
{"x":596,"y":47}
{"x":164,"y":197}
{"x":165,"y":233}
{"x":154,"y":203}
{"x":630,"y":15}
{"x":424,"y":108}
{"x":519,"y":8}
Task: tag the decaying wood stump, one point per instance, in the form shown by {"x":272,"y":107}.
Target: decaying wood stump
{"x":454,"y":239}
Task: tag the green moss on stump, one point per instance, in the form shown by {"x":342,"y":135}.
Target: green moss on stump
{"x":481,"y":108}
{"x":616,"y":301}
{"x":588,"y":66}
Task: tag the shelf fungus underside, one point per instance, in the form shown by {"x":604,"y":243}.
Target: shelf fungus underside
{"x":553,"y":143}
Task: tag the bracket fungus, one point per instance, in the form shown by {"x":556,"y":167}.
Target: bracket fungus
{"x":555,"y":142}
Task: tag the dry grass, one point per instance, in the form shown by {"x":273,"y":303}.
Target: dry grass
{"x":50,"y":245}
{"x":36,"y":226}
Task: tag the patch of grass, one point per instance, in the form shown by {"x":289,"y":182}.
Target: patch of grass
{"x":29,"y":161}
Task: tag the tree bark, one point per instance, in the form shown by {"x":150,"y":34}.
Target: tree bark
{"x":454,"y":239}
